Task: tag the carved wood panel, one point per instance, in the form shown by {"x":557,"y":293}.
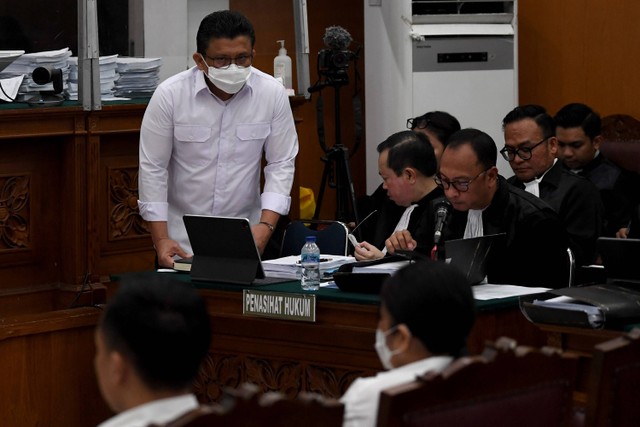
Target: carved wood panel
{"x":124,"y":217}
{"x":15,"y":212}
{"x":220,"y":371}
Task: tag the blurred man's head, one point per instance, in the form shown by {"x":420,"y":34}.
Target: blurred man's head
{"x":426,"y":309}
{"x":150,"y":342}
{"x":530,"y":144}
{"x":438,"y":126}
{"x":468,"y":172}
{"x":578,"y":131}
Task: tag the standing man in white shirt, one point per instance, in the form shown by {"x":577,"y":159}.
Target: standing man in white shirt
{"x":203,"y":137}
{"x":150,"y":343}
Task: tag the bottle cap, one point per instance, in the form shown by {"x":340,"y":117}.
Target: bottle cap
{"x":311,"y":239}
{"x":282,"y":50}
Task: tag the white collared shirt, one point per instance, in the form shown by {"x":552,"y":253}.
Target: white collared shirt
{"x":158,"y":412}
{"x":201,"y":155}
{"x":474,"y":226}
{"x":362,"y":399}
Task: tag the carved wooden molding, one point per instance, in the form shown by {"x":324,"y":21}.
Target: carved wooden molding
{"x":15,"y":210}
{"x":124,"y":218}
{"x":219,"y":371}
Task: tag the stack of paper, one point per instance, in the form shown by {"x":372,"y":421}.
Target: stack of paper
{"x":384,"y":268}
{"x":108,"y":76}
{"x":139,"y":77}
{"x":29,"y":61}
{"x":289,"y":267}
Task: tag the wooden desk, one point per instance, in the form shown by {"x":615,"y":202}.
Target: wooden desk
{"x":322,"y":357}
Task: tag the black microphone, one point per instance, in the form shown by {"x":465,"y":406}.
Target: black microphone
{"x":442,"y":213}
{"x":362,"y":222}
{"x":337,"y":38}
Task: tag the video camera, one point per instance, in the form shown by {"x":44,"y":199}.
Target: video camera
{"x":333,"y":61}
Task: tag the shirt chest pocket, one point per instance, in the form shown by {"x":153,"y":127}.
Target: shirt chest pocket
{"x":251,"y":137}
{"x":193,"y":144}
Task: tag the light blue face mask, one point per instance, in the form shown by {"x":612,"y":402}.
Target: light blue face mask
{"x":384,"y":354}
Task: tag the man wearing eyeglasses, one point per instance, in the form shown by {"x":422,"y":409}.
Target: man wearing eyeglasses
{"x":531,"y":148}
{"x":203,"y":137}
{"x":484,"y":204}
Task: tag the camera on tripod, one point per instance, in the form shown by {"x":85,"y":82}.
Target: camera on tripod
{"x":332,"y":62}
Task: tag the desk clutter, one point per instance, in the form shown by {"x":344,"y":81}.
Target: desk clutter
{"x":120,"y":77}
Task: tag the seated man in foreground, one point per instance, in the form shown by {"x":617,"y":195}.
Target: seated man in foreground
{"x":426,"y":313}
{"x":149,"y":346}
{"x":535,"y":253}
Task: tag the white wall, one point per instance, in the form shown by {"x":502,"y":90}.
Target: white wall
{"x":170,"y":28}
{"x":388,"y":76}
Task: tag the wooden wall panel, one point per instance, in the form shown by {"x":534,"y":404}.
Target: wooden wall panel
{"x":580,"y":51}
{"x":46,"y":366}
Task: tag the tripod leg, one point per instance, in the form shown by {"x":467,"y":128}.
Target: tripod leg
{"x":325,"y":179}
{"x":349,"y":182}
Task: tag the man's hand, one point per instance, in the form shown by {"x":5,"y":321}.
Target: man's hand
{"x":400,"y":240}
{"x":623,"y":233}
{"x":166,"y":250}
{"x":365,"y":251}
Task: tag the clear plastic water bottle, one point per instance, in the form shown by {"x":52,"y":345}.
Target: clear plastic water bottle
{"x":310,"y":262}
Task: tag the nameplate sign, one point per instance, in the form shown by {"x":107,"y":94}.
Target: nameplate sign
{"x":277,"y":305}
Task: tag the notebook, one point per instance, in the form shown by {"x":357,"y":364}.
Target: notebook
{"x":620,"y":259}
{"x":224,"y":251}
{"x":470,"y":255}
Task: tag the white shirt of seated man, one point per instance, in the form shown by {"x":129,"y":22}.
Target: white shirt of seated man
{"x":404,"y":357}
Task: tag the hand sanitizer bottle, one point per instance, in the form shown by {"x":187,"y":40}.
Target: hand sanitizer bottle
{"x":282,"y":67}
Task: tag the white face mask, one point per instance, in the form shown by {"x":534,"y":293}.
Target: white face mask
{"x":229,"y":80}
{"x":384,"y":354}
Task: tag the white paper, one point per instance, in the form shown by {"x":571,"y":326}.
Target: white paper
{"x":490,"y":291}
{"x":387,"y":267}
{"x":10,"y":86}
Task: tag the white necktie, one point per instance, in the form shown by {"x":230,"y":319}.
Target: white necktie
{"x":403,"y":223}
{"x":474,"y":224}
{"x":533,"y":186}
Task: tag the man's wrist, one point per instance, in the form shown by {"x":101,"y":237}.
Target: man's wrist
{"x":268,"y":225}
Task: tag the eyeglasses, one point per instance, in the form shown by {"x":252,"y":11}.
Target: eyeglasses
{"x":461,"y":186}
{"x":223,"y":62}
{"x":523,"y":152}
{"x":418,"y":123}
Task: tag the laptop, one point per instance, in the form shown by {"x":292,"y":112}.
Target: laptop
{"x":620,"y":259}
{"x":224,"y":251}
{"x":470,"y":255}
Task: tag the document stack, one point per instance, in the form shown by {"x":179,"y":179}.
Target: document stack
{"x":108,"y":77}
{"x":290,"y":267}
{"x":139,"y":77}
{"x":25,"y":65}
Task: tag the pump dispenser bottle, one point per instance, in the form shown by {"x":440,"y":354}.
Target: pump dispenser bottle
{"x":282,"y":67}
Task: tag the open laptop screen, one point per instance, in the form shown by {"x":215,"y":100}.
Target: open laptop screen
{"x":620,"y":258}
{"x":470,"y":255}
{"x":223,"y":249}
